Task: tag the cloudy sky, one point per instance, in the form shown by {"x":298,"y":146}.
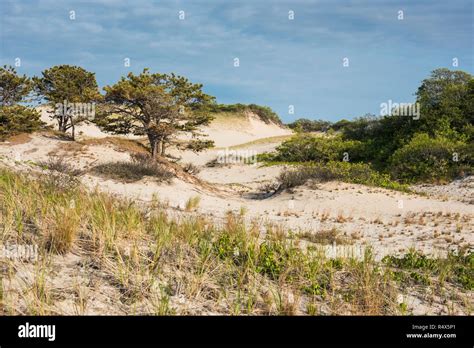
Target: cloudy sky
{"x":283,"y":62}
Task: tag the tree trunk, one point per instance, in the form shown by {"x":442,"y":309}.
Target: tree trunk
{"x":61,"y":123}
{"x":155,"y":146}
{"x":163,"y":148}
{"x":71,"y":122}
{"x":63,"y":120}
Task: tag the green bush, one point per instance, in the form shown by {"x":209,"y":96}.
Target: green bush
{"x":426,"y":158}
{"x":340,"y":125}
{"x":309,"y":148}
{"x":457,"y":268}
{"x":265,"y":113}
{"x":357,"y":173}
{"x":18,"y":119}
{"x":305,"y":125}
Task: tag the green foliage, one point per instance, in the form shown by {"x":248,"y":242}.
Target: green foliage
{"x":272,"y":258}
{"x":309,"y":148}
{"x":428,"y":159}
{"x":305,"y":125}
{"x":437,"y":145}
{"x":412,"y":260}
{"x":13,"y":88}
{"x":18,"y":119}
{"x":265,"y":113}
{"x":339,"y":125}
{"x":228,"y":108}
{"x":66,"y":84}
{"x":446,"y":99}
{"x":159,"y":106}
{"x":419,"y":268}
{"x":358,"y":173}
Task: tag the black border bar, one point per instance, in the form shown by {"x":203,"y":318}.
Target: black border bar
{"x":223,"y":331}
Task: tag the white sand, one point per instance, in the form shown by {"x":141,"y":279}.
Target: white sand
{"x":370,"y":216}
{"x":389,"y":221}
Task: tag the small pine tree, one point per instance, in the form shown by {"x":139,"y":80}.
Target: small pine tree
{"x":15,"y":119}
{"x":160,"y":106}
{"x":64,"y":85}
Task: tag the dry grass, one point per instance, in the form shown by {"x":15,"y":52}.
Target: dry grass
{"x":120,"y":144}
{"x":262,"y":141}
{"x":19,"y":139}
{"x":330,"y":236}
{"x":191,"y":168}
{"x":121,"y":258}
{"x":61,"y":165}
{"x":192,"y":203}
{"x":134,"y":170}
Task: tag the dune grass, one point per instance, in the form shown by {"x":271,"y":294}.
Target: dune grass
{"x":152,"y":260}
{"x":137,"y":168}
{"x":297,"y":174}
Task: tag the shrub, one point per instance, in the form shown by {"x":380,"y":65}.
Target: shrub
{"x":265,"y":113}
{"x":59,"y":164}
{"x":429,"y":159}
{"x":18,"y":119}
{"x":325,"y":237}
{"x":227,"y":107}
{"x":191,"y":168}
{"x":309,"y":148}
{"x":340,"y":125}
{"x":457,"y":267}
{"x":63,"y":176}
{"x":141,"y":165}
{"x":358,"y":173}
{"x":305,"y":125}
{"x":272,"y":258}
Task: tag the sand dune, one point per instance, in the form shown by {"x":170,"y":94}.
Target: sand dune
{"x":371,"y":216}
{"x":435,"y":222}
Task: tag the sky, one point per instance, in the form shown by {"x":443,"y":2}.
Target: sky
{"x":330,"y":60}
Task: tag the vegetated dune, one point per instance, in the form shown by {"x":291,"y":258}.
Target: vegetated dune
{"x":230,"y":129}
{"x":227,"y":129}
{"x":355,"y":216}
{"x":390,"y":221}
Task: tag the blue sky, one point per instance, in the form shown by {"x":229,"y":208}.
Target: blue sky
{"x":282,"y":62}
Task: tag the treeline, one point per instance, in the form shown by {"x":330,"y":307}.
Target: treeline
{"x":437,"y":145}
{"x":265,"y":113}
{"x":16,"y":118}
{"x":158,"y":106}
{"x":306,"y":125}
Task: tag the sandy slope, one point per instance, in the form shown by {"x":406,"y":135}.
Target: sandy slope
{"x":230,"y":131}
{"x":387,"y":220}
{"x":225,"y":130}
